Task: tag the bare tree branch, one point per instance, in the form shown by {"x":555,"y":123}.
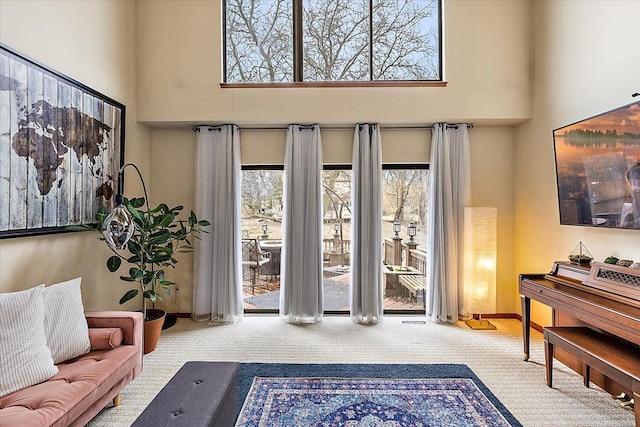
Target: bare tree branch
{"x":336,"y":40}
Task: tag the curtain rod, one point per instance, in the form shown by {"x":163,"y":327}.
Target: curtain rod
{"x":263,"y":127}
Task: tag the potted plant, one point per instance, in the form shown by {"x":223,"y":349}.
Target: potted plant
{"x":157,"y":237}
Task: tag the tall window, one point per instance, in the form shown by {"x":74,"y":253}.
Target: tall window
{"x":332,"y":40}
{"x":404,"y":202}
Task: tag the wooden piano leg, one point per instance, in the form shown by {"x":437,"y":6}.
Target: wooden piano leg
{"x":526,"y":319}
{"x":586,"y":374}
{"x":548,"y":360}
{"x":636,"y":406}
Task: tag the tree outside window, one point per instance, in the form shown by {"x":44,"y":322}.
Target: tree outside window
{"x":332,"y":40}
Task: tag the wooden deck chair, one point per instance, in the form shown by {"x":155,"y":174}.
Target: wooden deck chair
{"x":254,"y":259}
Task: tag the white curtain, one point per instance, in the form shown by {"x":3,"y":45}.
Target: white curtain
{"x":217,"y":282}
{"x":301,"y":263}
{"x":449,"y":191}
{"x":367,"y":295}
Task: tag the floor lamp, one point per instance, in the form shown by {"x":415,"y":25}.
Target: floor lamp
{"x":480,"y":247}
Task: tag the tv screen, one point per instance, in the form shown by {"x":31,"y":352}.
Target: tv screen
{"x":598,"y":169}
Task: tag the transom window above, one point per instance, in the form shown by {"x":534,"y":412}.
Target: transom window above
{"x":283,"y":41}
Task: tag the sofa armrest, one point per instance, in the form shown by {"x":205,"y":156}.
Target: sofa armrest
{"x":129,"y":321}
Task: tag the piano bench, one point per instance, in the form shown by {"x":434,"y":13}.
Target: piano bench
{"x":609,"y":355}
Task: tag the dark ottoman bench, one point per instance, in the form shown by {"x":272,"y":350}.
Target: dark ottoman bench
{"x":199,"y":394}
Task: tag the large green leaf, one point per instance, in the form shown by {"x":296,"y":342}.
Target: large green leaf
{"x":137,"y":202}
{"x":151,"y":294}
{"x":166,"y":220}
{"x":160,"y":257}
{"x":133,"y":246}
{"x":132,"y":293}
{"x":113,"y":263}
{"x":136,"y":213}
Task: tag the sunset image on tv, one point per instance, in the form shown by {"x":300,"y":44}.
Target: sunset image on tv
{"x":598,"y":169}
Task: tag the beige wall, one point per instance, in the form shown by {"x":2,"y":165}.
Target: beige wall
{"x":173,"y":49}
{"x":93,"y":43}
{"x":486,"y":66}
{"x":586,"y":62}
{"x":487,"y":69}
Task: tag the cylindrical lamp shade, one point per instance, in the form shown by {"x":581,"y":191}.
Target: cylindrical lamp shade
{"x":480,"y":253}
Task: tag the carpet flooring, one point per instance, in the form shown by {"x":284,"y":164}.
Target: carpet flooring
{"x":445,"y":397}
{"x":494,"y":356}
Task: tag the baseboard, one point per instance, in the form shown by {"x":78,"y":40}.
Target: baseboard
{"x":181,"y":315}
{"x":486,"y":316}
{"x":517,"y":316}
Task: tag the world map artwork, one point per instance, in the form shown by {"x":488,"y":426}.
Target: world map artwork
{"x":48,"y":147}
{"x":60,"y":149}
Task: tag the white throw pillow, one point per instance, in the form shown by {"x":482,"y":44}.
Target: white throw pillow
{"x":65,"y":325}
{"x":24,"y":355}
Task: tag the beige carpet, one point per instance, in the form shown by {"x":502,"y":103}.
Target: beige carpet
{"x":495,"y":356}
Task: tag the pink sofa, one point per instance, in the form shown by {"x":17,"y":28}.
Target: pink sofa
{"x":84,"y":385}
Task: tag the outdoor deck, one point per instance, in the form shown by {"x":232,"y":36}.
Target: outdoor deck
{"x":390,"y":302}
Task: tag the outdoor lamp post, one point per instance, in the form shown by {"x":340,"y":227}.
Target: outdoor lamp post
{"x":396,"y":229}
{"x":265,"y":227}
{"x":397,"y":245}
{"x":336,"y":229}
{"x":412,"y":243}
{"x":411,"y":231}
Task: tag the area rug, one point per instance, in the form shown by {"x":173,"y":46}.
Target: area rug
{"x":389,"y":395}
{"x":336,"y":297}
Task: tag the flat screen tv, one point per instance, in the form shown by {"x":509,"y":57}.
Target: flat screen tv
{"x":598,"y":169}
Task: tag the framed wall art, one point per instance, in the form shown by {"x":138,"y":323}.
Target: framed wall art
{"x":598,"y":169}
{"x":61,"y":147}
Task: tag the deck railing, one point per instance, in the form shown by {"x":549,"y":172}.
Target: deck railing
{"x":416,"y":258}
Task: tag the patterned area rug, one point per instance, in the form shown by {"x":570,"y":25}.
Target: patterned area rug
{"x":366,"y":395}
{"x":355,"y":402}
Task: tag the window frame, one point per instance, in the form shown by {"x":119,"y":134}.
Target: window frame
{"x":345,"y":166}
{"x":298,"y":64}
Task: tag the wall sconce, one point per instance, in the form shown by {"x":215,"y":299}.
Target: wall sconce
{"x":480,"y":248}
{"x":396,"y":229}
{"x":118,"y":226}
{"x":411,"y":231}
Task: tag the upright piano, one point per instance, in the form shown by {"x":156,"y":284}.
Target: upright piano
{"x":603,"y":297}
